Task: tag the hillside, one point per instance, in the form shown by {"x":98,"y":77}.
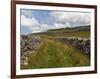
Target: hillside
{"x":69,"y":29}
{"x":69,"y":47}
{"x":82,"y":31}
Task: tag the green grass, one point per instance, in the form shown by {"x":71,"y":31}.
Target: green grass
{"x":56,"y":54}
{"x":82,"y":34}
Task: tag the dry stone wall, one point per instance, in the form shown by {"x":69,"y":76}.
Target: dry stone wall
{"x":81,"y":43}
{"x":28,"y":44}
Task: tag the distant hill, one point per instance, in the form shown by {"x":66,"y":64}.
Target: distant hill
{"x":79,"y":28}
{"x":80,"y":31}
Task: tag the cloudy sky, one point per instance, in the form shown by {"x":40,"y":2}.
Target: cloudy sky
{"x":34,"y":21}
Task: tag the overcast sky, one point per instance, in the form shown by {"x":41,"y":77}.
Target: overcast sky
{"x":34,"y":21}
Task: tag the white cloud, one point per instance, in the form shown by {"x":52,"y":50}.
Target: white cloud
{"x":72,"y":18}
{"x":36,"y":27}
{"x":26,"y":12}
{"x":26,"y":21}
{"x":37,"y":30}
{"x":45,"y":27}
{"x":61,"y":25}
{"x":31,"y":23}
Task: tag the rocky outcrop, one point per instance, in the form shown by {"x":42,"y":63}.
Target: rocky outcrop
{"x":28,"y":44}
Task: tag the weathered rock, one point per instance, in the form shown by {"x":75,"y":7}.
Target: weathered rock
{"x":28,"y":44}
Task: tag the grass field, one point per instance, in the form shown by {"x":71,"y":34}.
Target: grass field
{"x":82,"y":34}
{"x":57,"y":54}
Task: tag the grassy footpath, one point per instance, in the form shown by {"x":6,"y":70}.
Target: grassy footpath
{"x":56,"y":54}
